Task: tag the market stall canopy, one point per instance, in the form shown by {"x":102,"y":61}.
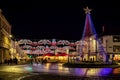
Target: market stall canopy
{"x":48,"y":54}
{"x":61,"y":54}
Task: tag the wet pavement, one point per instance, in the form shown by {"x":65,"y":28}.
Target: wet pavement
{"x":47,"y":76}
{"x":57,"y":77}
{"x":10,"y":75}
{"x":50,"y":71}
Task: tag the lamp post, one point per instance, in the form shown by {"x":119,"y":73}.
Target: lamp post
{"x":11,"y":46}
{"x":96,"y":49}
{"x":89,"y":48}
{"x":96,"y":44}
{"x":68,"y":54}
{"x":80,"y":48}
{"x":107,"y":58}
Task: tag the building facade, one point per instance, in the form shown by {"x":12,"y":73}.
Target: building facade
{"x":5,"y":39}
{"x":111,"y":45}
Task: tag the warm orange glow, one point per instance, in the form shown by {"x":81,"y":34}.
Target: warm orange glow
{"x":10,"y":36}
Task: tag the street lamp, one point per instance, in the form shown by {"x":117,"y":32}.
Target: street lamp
{"x":10,"y":36}
{"x":68,"y":53}
{"x":11,"y":46}
{"x":89,"y":47}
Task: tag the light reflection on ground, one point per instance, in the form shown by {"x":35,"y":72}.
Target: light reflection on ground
{"x":59,"y":69}
{"x":116,"y":71}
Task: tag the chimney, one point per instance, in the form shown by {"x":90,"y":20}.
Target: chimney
{"x":103,"y":29}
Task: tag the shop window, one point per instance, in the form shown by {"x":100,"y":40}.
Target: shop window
{"x":116,"y":48}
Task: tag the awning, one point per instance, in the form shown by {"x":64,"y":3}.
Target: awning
{"x":48,"y":54}
{"x":61,"y":54}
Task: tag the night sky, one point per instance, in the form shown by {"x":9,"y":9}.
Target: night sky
{"x":59,"y":19}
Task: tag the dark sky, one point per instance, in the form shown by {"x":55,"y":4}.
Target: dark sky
{"x":60,"y":19}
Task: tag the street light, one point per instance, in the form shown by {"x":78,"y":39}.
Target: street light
{"x":11,"y":46}
{"x":89,"y":47}
{"x":10,"y":36}
{"x":68,"y":53}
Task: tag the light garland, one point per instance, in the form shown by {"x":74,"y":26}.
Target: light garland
{"x":44,"y":46}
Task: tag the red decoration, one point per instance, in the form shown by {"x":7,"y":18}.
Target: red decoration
{"x":61,"y":54}
{"x":48,"y":54}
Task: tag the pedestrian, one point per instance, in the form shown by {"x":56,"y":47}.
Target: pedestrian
{"x":10,"y":61}
{"x":15,"y":60}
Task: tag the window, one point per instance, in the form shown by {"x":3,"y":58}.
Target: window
{"x":116,"y":38}
{"x":116,"y":48}
{"x":101,"y":40}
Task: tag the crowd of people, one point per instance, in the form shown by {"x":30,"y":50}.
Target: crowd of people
{"x":35,"y":60}
{"x":11,"y":61}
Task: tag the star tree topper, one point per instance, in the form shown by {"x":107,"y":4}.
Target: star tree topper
{"x":87,"y":10}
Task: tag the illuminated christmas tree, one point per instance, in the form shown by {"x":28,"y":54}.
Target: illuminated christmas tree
{"x":91,"y":47}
